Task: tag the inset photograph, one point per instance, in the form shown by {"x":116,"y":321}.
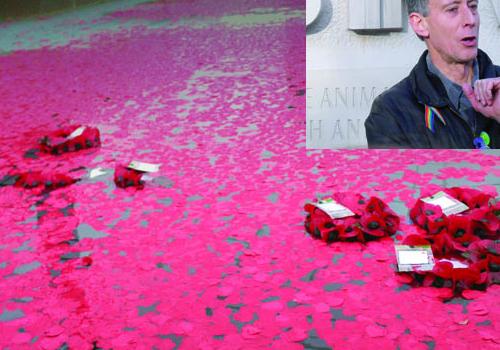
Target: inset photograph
{"x":402,"y":74}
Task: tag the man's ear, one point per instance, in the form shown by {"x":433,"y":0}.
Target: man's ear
{"x":419,"y":25}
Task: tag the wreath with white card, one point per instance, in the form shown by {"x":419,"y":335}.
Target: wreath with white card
{"x":457,"y":245}
{"x":350,"y":217}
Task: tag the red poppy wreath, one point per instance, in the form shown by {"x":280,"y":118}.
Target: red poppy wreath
{"x":38,"y":181}
{"x":465,"y":244}
{"x":70,"y":139}
{"x":350,"y":217}
{"x":127,"y":177}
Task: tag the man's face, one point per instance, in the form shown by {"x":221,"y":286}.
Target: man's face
{"x":453,"y":29}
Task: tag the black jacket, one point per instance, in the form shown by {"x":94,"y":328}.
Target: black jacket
{"x":397,"y":117}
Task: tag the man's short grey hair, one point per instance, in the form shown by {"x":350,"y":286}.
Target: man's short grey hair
{"x":418,"y":6}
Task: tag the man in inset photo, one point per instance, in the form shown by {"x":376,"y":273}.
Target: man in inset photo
{"x":451,"y":99}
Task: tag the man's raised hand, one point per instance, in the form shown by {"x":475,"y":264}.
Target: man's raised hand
{"x":485,"y":97}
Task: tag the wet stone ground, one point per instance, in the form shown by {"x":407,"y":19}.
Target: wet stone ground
{"x":212,"y":254}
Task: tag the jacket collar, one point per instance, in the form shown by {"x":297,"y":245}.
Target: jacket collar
{"x":428,"y":88}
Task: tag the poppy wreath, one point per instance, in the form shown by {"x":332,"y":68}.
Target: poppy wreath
{"x":60,"y":141}
{"x":126,"y":177}
{"x":38,"y":181}
{"x":470,"y":237}
{"x":372,"y":219}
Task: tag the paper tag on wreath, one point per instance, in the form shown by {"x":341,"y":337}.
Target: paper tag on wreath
{"x":334,"y":209}
{"x":414,"y":258}
{"x":144,"y":167}
{"x":77,"y":132}
{"x":447,"y":203}
{"x":456,"y":264}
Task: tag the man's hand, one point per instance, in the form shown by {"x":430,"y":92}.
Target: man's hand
{"x":485,"y":97}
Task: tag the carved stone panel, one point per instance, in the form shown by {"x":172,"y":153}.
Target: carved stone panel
{"x":392,"y":14}
{"x":375,"y":15}
{"x":364,"y":14}
{"x":338,"y":102}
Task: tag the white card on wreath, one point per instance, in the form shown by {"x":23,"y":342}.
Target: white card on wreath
{"x":414,"y":258}
{"x":334,"y":209}
{"x":77,"y":132}
{"x":447,"y":203}
{"x":144,"y":167}
{"x":456,"y":264}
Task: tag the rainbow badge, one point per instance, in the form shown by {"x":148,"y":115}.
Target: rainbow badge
{"x":430,"y":115}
